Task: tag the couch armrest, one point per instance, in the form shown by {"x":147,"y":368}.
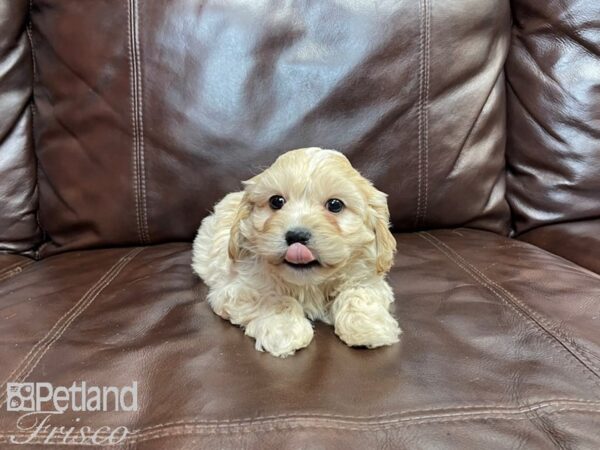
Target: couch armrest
{"x":576,"y":241}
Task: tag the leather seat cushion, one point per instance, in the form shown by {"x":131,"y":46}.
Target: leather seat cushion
{"x":500,"y":347}
{"x":577,"y":241}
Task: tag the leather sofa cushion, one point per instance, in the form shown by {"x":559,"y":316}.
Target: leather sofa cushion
{"x":149,"y":112}
{"x":500,"y":348}
{"x":553,"y":151}
{"x":577,"y":241}
{"x":19,"y":231}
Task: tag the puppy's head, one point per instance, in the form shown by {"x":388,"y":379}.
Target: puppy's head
{"x":310,"y":215}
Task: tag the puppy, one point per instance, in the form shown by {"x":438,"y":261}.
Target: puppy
{"x":308,"y":238}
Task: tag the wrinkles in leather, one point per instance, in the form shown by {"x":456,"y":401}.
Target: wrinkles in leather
{"x":537,"y":284}
{"x":553,"y":149}
{"x":576,"y":241}
{"x":381,"y":83}
{"x":19,"y":230}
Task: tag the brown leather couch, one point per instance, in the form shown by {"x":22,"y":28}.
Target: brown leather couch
{"x":123,"y":122}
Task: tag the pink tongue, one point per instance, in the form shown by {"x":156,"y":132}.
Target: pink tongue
{"x":299,"y":254}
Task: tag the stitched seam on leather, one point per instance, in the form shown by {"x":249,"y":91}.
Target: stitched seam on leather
{"x":589,"y":353}
{"x":141,"y":153}
{"x":420,"y":109}
{"x":9,"y":269}
{"x":547,"y":326}
{"x":375,"y":425}
{"x":297,"y":423}
{"x":134,"y":131}
{"x":136,"y":117}
{"x":585,"y":353}
{"x":521,"y":311}
{"x":475,"y":409}
{"x":426,"y":109}
{"x":37,"y":352}
{"x":566,"y":341}
{"x":14,"y":269}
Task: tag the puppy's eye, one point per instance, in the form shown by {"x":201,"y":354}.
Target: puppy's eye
{"x":334,"y":205}
{"x":276,"y":202}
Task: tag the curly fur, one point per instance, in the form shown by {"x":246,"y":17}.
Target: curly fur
{"x":239,"y":253}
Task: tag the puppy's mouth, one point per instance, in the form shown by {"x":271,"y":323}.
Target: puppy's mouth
{"x":309,"y":265}
{"x":299,"y":256}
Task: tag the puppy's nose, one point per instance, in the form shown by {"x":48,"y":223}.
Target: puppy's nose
{"x":294,"y":235}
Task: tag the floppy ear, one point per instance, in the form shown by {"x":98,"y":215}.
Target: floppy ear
{"x":385,"y":244}
{"x":235,"y":235}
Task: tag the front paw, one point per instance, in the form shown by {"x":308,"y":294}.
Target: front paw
{"x":280,"y":334}
{"x":361,"y":323}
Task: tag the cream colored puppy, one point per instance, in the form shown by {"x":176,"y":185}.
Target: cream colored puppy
{"x":308,"y":238}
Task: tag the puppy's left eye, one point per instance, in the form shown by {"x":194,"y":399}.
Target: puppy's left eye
{"x":334,"y":205}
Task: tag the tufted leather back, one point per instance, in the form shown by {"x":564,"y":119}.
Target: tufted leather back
{"x":18,"y":196}
{"x":149,"y":112}
{"x":145,"y":114}
{"x":554,"y":114}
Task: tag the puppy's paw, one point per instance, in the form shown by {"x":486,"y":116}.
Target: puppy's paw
{"x":364,"y":323}
{"x":280,"y":334}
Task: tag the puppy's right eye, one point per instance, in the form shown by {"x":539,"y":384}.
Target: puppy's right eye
{"x":276,"y":202}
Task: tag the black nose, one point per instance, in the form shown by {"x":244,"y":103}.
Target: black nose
{"x":301,"y":235}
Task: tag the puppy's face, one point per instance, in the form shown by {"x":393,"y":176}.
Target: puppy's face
{"x":309,"y":215}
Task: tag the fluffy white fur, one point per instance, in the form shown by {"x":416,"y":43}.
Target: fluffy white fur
{"x":239,"y":253}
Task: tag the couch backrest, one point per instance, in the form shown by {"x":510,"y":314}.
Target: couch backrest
{"x":149,"y":112}
{"x":18,"y":188}
{"x":553,"y":151}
